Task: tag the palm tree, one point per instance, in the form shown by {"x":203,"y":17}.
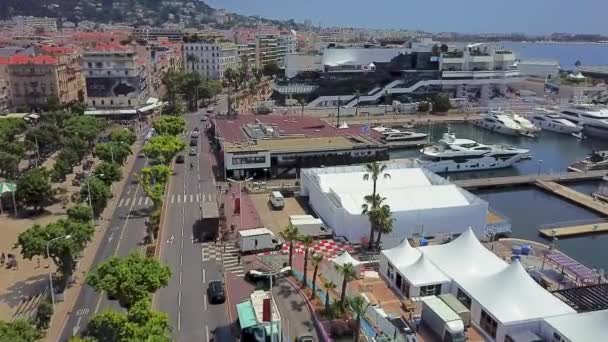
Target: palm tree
{"x":302,"y":103}
{"x":192,"y":59}
{"x":348,"y":272}
{"x":290,"y":234}
{"x":230,"y":76}
{"x":374,"y":171}
{"x":384,"y":222}
{"x":358,"y":96}
{"x":316,"y":261}
{"x":307,"y":242}
{"x":358,"y":306}
{"x":329,"y":286}
{"x":370,"y":208}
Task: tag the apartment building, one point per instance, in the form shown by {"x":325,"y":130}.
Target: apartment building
{"x":70,"y":76}
{"x":246,"y":52}
{"x":210,"y":59}
{"x":34,"y":80}
{"x":33,"y":24}
{"x":273,"y":47}
{"x":116,"y":77}
{"x":154,"y":33}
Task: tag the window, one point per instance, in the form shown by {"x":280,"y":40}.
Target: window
{"x":464,"y":299}
{"x":93,"y":103}
{"x":126,"y":72}
{"x":430,"y":290}
{"x":129,"y":102}
{"x":557,"y":337}
{"x":390,"y":270}
{"x":90,"y":64}
{"x":109,"y":73}
{"x":248,"y":160}
{"x":102,"y":102}
{"x":488,"y":324}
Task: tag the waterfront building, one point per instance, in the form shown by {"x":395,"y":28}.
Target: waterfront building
{"x":154,"y":33}
{"x":541,"y":68}
{"x":268,"y":50}
{"x":423,"y":204}
{"x":116,"y":77}
{"x":279,"y":146}
{"x":210,"y":59}
{"x":585,"y":326}
{"x":504,"y":300}
{"x":71,"y":77}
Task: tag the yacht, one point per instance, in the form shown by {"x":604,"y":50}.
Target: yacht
{"x":597,"y":160}
{"x":499,"y":122}
{"x":451,"y":154}
{"x":551,"y":121}
{"x":593,"y":119}
{"x":395,"y":135}
{"x":528,"y":129}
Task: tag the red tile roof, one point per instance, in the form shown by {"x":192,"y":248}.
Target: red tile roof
{"x":37,"y":60}
{"x":56,"y":49}
{"x":111,"y":47}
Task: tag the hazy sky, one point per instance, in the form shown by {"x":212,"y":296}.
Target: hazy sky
{"x":465,"y":16}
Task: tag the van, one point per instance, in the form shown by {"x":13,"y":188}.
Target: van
{"x":277,"y":200}
{"x":257,"y":240}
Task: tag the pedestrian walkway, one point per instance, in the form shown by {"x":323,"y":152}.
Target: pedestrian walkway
{"x":134,"y":202}
{"x":191,"y":198}
{"x":229,"y":255}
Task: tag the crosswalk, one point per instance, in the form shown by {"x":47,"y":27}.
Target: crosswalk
{"x":173,"y":199}
{"x":228,"y":255}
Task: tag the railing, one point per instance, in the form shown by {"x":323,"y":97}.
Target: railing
{"x":573,"y":223}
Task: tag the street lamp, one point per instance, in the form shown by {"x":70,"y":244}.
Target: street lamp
{"x":50,"y":272}
{"x":270,"y":275}
{"x":240,"y":197}
{"x":540,"y":162}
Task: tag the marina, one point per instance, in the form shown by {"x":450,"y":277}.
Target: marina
{"x":496,"y":182}
{"x":573,"y":231}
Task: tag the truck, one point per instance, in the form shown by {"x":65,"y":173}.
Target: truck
{"x":309,"y":225}
{"x":442,"y":320}
{"x":458,"y":307}
{"x":209,"y":224}
{"x":258,"y":240}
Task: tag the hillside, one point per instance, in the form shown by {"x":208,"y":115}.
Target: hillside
{"x":136,"y":12}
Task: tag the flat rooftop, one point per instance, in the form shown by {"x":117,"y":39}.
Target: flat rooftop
{"x":292,"y":145}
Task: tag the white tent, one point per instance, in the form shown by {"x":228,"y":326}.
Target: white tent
{"x":423,"y":272}
{"x":464,"y":258}
{"x":399,"y":256}
{"x":329,"y":269}
{"x":587,"y":326}
{"x":511,"y":295}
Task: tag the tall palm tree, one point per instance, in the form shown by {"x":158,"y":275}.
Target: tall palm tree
{"x":384,"y":222}
{"x":302,"y":103}
{"x":348,"y":272}
{"x":358,"y":306}
{"x":307,"y":242}
{"x":192,"y":59}
{"x":230,"y":76}
{"x":374,"y":171}
{"x":290,"y":234}
{"x":329,"y":286}
{"x":370,"y":208}
{"x":316,"y":261}
{"x":358,"y":96}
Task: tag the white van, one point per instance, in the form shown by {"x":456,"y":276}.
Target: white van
{"x":257,"y":240}
{"x":277,"y":200}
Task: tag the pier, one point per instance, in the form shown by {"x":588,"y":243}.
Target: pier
{"x":574,"y":196}
{"x":572,"y":231}
{"x":498,"y":182}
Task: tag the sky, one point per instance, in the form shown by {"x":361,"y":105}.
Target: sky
{"x":464,"y":16}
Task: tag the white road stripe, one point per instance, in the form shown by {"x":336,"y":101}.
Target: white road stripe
{"x":120,"y":202}
{"x":147,"y":200}
{"x":179,"y":199}
{"x":140,"y":200}
{"x":198,"y":198}
{"x":233,"y":268}
{"x":191,"y":198}
{"x":172,"y":198}
{"x":210,"y":199}
{"x":127,"y":201}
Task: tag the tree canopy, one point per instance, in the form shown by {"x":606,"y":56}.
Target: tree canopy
{"x":84,"y":127}
{"x":123,"y":135}
{"x":163,"y":148}
{"x":113,"y":152}
{"x":169,"y":125}
{"x":100,"y":192}
{"x":80,"y":213}
{"x":34,"y":188}
{"x":18,"y":331}
{"x":441,"y":103}
{"x":129,"y":279}
{"x":271,"y":69}
{"x":108,"y":172}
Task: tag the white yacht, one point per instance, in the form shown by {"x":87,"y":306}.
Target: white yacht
{"x":551,"y":121}
{"x":453,"y":155}
{"x":593,"y":119}
{"x":395,"y":135}
{"x":528,"y":129}
{"x":499,"y":122}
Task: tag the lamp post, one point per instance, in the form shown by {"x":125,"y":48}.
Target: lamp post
{"x":240,"y":197}
{"x":270,"y":275}
{"x":540,"y":162}
{"x":50,"y":272}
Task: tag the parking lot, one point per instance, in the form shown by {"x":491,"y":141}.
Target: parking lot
{"x":277,"y":220}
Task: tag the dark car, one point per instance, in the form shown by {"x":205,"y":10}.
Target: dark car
{"x":258,"y":276}
{"x":215,"y":292}
{"x":193,"y":142}
{"x":180,"y":159}
{"x":306,"y":338}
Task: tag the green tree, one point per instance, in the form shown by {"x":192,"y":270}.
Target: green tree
{"x":435,"y":50}
{"x":307,"y":242}
{"x":384,"y":222}
{"x":441,"y":103}
{"x":63,"y":251}
{"x":347,"y":271}
{"x":18,"y":331}
{"x":8,"y":164}
{"x":271,"y":69}
{"x":316,"y":262}
{"x":80,"y":213}
{"x":163,"y":148}
{"x":61,"y":168}
{"x":129,"y":279}
{"x":84,"y":127}
{"x":169,"y":125}
{"x":329,"y":286}
{"x":290,"y":234}
{"x":47,"y":136}
{"x":100,"y":192}
{"x":374,"y":171}
{"x":231,"y":79}
{"x":424,"y":107}
{"x":153,"y":180}
{"x":358,"y":306}
{"x":10,"y":128}
{"x":123,"y":135}
{"x":34,"y":188}
{"x":113,"y":152}
{"x":43,"y":314}
{"x":78,"y":145}
{"x":108,"y":172}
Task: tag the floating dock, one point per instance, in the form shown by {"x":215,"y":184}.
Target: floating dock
{"x":574,"y":196}
{"x":498,"y":182}
{"x":572,"y":231}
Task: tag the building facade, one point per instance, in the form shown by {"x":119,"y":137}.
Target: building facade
{"x":210,"y":59}
{"x":116,"y":77}
{"x":5,"y":86}
{"x":246,"y":52}
{"x":70,"y":76}
{"x":34,"y":24}
{"x":154,"y":33}
{"x":34,"y":80}
{"x":268,"y":50}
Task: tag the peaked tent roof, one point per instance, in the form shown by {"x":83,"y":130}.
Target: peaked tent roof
{"x":587,"y":326}
{"x":463,"y":258}
{"x":423,"y":272}
{"x":402,"y":255}
{"x":511,"y":295}
{"x":345,"y":258}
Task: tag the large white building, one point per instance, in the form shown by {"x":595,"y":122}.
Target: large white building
{"x":504,"y":300}
{"x":210,"y":59}
{"x":422,"y":203}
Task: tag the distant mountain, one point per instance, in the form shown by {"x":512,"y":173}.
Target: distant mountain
{"x":136,"y":12}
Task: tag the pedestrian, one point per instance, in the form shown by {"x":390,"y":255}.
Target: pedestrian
{"x":2,"y":258}
{"x":238,"y":258}
{"x":38,"y":262}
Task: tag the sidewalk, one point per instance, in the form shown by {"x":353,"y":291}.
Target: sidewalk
{"x":64,"y":309}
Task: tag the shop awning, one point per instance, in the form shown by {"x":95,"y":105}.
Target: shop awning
{"x":246,"y":315}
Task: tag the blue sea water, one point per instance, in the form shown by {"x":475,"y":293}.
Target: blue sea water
{"x":566,"y":53}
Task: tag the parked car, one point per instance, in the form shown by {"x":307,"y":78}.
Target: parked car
{"x":306,"y":338}
{"x":216,"y":292}
{"x":204,"y":118}
{"x":180,"y":159}
{"x":192,"y":151}
{"x":257,"y":275}
{"x":193,"y":142}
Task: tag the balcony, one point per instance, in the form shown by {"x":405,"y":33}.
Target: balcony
{"x":480,"y":74}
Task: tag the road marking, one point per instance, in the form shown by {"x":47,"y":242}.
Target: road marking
{"x":172,"y":199}
{"x":82,"y":312}
{"x":233,"y":268}
{"x":205,"y":301}
{"x":198,"y":198}
{"x":120,"y":202}
{"x":179,"y":199}
{"x":207,"y":332}
{"x":180,"y":277}
{"x":140,"y":200}
{"x":77,"y":326}
{"x":147,"y":200}
{"x":191,"y":198}
{"x":127,"y":201}
{"x":204,"y":280}
{"x":179,"y":299}
{"x":181,"y":259}
{"x":179,"y":321}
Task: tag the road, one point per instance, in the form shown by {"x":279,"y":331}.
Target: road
{"x":125,"y":233}
{"x":193,"y":264}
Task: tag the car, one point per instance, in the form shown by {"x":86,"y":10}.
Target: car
{"x":193,"y":142}
{"x":192,"y":151}
{"x":204,"y":118}
{"x":305,"y":338}
{"x":216,"y":292}
{"x":210,"y":109}
{"x":180,"y":159}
